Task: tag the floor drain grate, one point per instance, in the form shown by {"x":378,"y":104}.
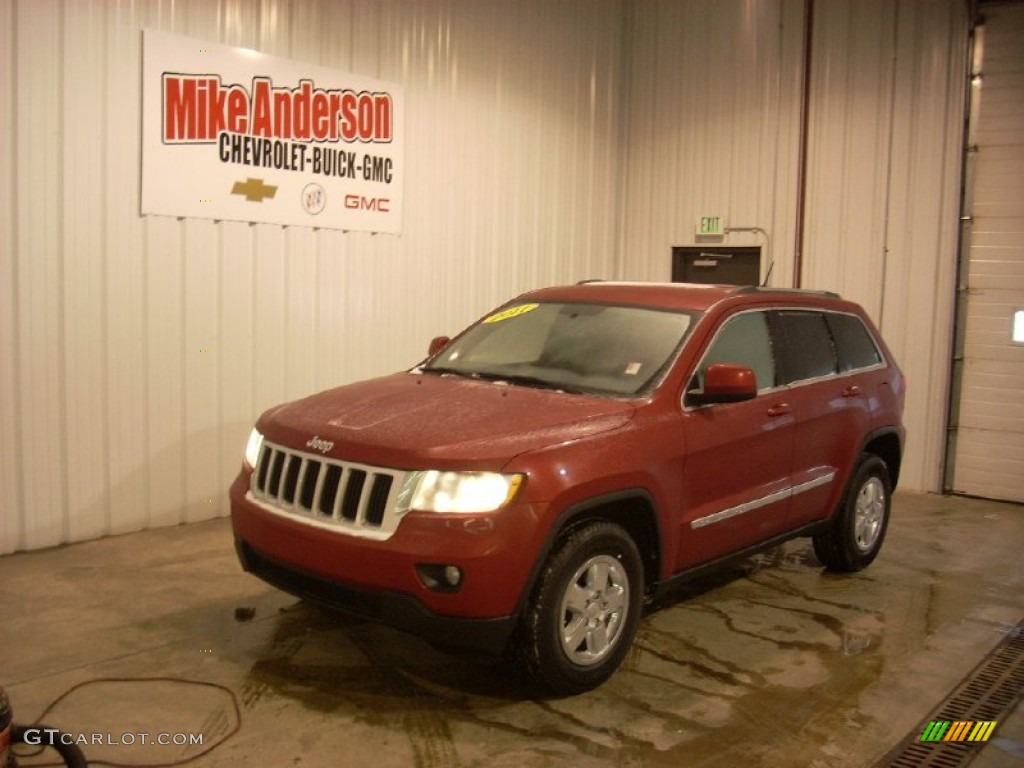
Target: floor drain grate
{"x":989,"y":692}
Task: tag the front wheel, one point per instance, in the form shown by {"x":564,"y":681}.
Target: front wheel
{"x":585,"y":610}
{"x":858,"y":528}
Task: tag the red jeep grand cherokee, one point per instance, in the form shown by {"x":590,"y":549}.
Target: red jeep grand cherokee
{"x":528,"y":485}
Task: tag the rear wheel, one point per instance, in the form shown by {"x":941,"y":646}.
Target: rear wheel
{"x":858,"y":528}
{"x":585,"y":610}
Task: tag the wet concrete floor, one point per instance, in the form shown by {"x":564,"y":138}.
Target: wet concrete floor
{"x":773,"y":663}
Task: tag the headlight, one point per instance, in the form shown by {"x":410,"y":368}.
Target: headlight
{"x":252,"y":448}
{"x":434,"y":491}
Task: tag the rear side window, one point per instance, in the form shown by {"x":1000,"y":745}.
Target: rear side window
{"x":804,"y":345}
{"x":854,"y":345}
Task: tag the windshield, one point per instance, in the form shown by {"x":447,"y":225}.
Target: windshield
{"x":595,"y":348}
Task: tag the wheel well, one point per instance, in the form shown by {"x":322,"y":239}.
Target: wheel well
{"x":637,"y":517}
{"x":887,"y":448}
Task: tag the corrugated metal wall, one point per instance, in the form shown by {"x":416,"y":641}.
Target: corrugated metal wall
{"x":546,"y":142}
{"x":714,"y":125}
{"x":720,"y":134}
{"x":135,"y":352}
{"x":887,"y":95}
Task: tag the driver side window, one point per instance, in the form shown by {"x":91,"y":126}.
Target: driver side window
{"x":743,"y":340}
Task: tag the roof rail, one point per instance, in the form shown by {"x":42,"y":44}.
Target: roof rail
{"x":804,"y":291}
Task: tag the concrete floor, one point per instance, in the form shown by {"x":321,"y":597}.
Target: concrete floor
{"x":774,"y":663}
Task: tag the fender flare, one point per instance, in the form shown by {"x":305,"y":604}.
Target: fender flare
{"x":567,"y":518}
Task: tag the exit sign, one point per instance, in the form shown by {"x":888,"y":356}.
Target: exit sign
{"x":710,"y":225}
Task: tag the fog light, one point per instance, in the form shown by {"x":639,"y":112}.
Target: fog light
{"x":440,"y":578}
{"x":452,"y":575}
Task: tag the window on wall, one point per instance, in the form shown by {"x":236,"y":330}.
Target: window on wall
{"x":1018,"y":326}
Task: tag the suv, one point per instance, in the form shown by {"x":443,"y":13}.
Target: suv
{"x":576,"y":451}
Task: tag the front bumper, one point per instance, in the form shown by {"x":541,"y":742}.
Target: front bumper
{"x":392,"y":608}
{"x":378,"y":578}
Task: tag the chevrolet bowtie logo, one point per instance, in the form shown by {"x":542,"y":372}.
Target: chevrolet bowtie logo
{"x":254,"y":190}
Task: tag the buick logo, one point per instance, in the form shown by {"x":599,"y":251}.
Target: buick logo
{"x":314,"y":199}
{"x":324,"y":446}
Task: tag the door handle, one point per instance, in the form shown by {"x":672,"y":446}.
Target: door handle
{"x":851,"y":391}
{"x":779,"y":410}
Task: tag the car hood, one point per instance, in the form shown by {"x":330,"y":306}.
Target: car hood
{"x":411,"y":421}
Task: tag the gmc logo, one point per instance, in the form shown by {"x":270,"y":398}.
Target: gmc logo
{"x":360,"y":203}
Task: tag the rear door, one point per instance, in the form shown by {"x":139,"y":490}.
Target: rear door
{"x":830,"y":405}
{"x":736,"y":470}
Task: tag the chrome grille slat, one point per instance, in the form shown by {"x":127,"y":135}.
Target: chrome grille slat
{"x":318,"y":489}
{"x":329,"y":493}
{"x":353,"y":497}
{"x":340,"y":495}
{"x":376,"y":499}
{"x":307,"y":484}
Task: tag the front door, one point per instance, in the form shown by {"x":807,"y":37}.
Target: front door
{"x":736,"y":475}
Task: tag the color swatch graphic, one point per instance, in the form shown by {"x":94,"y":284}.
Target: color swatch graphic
{"x":959,"y":730}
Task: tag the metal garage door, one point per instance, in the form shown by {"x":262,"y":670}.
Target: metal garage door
{"x":988,"y":449}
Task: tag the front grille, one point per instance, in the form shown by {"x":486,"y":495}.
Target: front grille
{"x":353,"y":498}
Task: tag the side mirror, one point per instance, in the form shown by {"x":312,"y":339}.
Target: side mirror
{"x":437,"y":344}
{"x":724,"y":383}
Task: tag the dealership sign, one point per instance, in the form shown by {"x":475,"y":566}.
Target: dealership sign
{"x":229,"y":133}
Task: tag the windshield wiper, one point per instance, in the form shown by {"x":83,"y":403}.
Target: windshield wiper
{"x":528,"y":381}
{"x":442,"y":371}
{"x":510,"y":378}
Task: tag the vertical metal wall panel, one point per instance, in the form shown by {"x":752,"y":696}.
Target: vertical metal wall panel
{"x":126,"y":276}
{"x":235,"y":344}
{"x":713,"y":128}
{"x":714,"y":95}
{"x":201,"y":351}
{"x":137,"y":351}
{"x":12,"y":512}
{"x":849,"y":153}
{"x":883,"y":188}
{"x":39,"y":293}
{"x":83,"y":278}
{"x":918,"y":270}
{"x":165,"y":371}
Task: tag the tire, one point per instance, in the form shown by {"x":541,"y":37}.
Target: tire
{"x":857,"y":530}
{"x":584,"y":612}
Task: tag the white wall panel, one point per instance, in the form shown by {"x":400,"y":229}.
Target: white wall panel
{"x":39,"y":287}
{"x":883,"y":198}
{"x":12,"y":511}
{"x":714,"y":119}
{"x":715,"y":129}
{"x":851,"y":125}
{"x":546,"y":142}
{"x":137,"y":351}
{"x":84,"y":273}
